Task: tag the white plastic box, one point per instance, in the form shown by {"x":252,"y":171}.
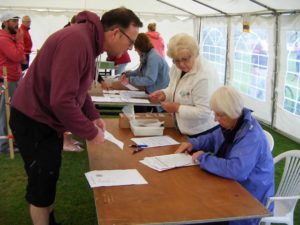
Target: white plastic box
{"x":147,"y":127}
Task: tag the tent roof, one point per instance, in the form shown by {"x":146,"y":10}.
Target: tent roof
{"x":185,"y":8}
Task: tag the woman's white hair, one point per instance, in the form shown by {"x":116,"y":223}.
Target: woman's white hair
{"x":182,"y":42}
{"x":227,"y":100}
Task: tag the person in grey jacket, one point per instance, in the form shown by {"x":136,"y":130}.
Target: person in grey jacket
{"x":193,"y":80}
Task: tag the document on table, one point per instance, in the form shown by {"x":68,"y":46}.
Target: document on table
{"x":131,"y":87}
{"x":108,"y":136}
{"x":166,"y":162}
{"x":126,"y":94}
{"x":100,"y":178}
{"x":119,"y":99}
{"x":155,"y":141}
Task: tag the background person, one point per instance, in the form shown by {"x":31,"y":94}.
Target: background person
{"x":237,"y":150}
{"x":156,"y":40}
{"x":53,"y":98}
{"x":153,"y":71}
{"x":120,"y":62}
{"x":25,"y":27}
{"x":11,"y":57}
{"x":193,"y":80}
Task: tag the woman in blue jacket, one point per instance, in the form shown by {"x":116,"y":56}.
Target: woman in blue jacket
{"x":237,"y":150}
{"x":153,"y":72}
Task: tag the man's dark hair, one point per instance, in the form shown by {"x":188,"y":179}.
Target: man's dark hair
{"x":143,"y":43}
{"x":120,"y":17}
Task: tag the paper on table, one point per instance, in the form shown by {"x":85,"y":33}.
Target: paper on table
{"x":125,"y":94}
{"x":118,"y":99}
{"x":131,"y":87}
{"x":99,"y":178}
{"x":108,"y":136}
{"x":165,"y":162}
{"x":155,"y":141}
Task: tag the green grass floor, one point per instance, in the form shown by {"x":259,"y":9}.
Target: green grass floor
{"x":74,"y":201}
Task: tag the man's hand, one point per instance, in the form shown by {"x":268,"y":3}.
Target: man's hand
{"x":100,"y":123}
{"x":99,"y":139}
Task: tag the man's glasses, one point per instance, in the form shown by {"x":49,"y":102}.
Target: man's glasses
{"x":131,"y":42}
{"x":183,"y":60}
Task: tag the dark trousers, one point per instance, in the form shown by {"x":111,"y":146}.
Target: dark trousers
{"x":40,"y":147}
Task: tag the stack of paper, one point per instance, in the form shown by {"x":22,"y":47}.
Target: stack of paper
{"x":166,"y":162}
{"x":155,"y":141}
{"x":99,"y":178}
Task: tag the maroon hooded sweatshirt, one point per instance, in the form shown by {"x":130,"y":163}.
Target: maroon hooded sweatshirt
{"x":54,"y":90}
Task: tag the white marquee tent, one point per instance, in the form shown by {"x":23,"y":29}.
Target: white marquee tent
{"x":263,"y":63}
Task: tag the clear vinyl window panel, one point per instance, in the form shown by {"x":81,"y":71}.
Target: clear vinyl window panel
{"x":251,"y":62}
{"x":291,"y":102}
{"x":214,"y":48}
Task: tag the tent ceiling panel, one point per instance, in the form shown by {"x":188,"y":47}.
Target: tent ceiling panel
{"x":158,"y":7}
{"x":191,"y":6}
{"x":141,"y":6}
{"x":281,"y":5}
{"x":234,"y":6}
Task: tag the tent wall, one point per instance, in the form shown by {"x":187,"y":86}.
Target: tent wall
{"x":288,"y":80}
{"x":44,"y":23}
{"x":272,"y":90}
{"x":247,"y":60}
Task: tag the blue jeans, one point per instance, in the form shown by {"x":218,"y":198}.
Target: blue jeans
{"x":12,"y":86}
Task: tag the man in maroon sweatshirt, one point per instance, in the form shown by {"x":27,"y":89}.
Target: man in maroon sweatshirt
{"x":52,"y":98}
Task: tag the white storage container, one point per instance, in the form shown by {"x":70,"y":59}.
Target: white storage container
{"x":147,"y":127}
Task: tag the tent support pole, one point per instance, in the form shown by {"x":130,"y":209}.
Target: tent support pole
{"x":166,"y":3}
{"x":274,"y":95}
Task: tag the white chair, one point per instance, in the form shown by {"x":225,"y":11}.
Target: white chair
{"x":288,"y":191}
{"x":270,"y":140}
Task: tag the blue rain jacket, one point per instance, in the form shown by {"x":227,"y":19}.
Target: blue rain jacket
{"x":248,"y":160}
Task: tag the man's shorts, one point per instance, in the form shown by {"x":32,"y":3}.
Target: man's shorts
{"x":40,"y":147}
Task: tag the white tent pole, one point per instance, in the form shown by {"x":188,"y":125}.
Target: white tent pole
{"x":226,"y":78}
{"x":263,"y":5}
{"x":210,"y":7}
{"x":176,"y":7}
{"x":274,"y":94}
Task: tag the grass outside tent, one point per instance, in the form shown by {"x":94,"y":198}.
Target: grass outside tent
{"x":74,"y":202}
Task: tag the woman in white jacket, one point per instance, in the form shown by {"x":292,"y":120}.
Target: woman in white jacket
{"x":192,"y":81}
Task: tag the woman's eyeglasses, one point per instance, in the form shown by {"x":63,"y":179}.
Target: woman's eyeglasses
{"x":182,"y":60}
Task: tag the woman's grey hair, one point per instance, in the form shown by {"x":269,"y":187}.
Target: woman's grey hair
{"x":181,"y":42}
{"x":227,"y":100}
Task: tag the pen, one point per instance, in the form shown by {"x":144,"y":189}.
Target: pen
{"x":137,"y":150}
{"x":138,"y":146}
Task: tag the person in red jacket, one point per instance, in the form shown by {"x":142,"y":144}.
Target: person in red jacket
{"x":156,"y":39}
{"x":120,"y":62}
{"x":25,"y":27}
{"x":11,"y":57}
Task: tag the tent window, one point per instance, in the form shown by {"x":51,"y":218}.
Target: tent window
{"x":292,"y":79}
{"x":214,"y":48}
{"x":251,"y":63}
